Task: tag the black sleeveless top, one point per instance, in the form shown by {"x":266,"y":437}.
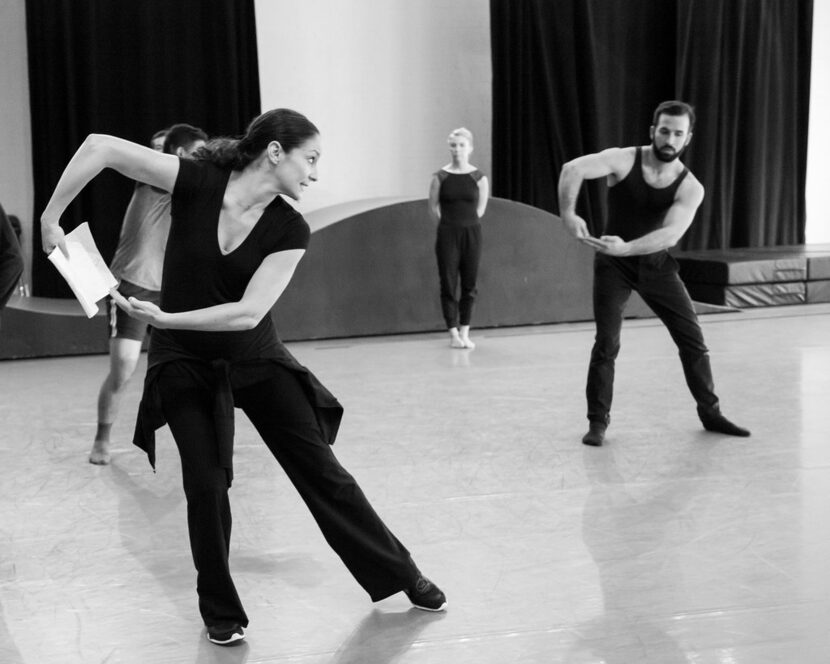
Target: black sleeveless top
{"x":458,"y":197}
{"x":635,"y":208}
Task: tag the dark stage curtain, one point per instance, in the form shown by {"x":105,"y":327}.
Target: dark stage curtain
{"x":129,"y":68}
{"x":571,"y":77}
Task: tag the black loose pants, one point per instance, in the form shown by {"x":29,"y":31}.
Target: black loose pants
{"x":458,"y":250}
{"x":282,"y":415}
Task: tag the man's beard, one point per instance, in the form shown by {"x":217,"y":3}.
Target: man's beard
{"x":666,"y":153}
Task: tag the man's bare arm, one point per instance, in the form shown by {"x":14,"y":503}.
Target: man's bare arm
{"x":614,"y":162}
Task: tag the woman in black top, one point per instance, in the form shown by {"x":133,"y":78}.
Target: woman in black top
{"x":458,"y":197}
{"x":233,"y":246}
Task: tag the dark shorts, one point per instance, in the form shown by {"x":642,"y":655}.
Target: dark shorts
{"x":123,"y":326}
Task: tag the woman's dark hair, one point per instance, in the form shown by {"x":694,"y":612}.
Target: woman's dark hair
{"x":290,"y":128}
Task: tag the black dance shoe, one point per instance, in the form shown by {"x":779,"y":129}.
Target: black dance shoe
{"x":225,"y":637}
{"x":425,"y":595}
{"x":719,"y":424}
{"x":595,"y":435}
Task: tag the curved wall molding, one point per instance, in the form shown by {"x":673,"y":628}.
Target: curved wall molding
{"x":45,"y":327}
{"x":374,"y":272}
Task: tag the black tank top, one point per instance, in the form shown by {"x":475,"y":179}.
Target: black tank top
{"x":458,"y":197}
{"x":635,"y":207}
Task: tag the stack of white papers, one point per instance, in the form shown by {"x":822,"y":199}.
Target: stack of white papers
{"x":85,"y":270}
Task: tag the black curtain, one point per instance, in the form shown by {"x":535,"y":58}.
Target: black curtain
{"x":129,"y":68}
{"x":571,"y":77}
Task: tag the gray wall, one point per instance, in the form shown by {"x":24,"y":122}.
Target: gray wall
{"x":385,"y":81}
{"x":375,"y":273}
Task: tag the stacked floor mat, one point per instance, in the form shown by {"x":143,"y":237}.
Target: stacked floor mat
{"x":758,"y":277}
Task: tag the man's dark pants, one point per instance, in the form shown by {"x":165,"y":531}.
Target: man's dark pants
{"x":655,"y":277}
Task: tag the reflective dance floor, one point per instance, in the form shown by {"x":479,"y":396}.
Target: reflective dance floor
{"x":667,"y":545}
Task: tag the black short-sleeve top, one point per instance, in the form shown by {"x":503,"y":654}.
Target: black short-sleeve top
{"x":197,"y":274}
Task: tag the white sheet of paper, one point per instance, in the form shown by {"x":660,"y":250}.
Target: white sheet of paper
{"x":85,"y":270}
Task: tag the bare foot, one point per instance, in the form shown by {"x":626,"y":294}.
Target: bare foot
{"x":100,"y":453}
{"x":464,"y":333}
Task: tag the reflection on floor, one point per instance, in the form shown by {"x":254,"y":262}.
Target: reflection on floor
{"x":667,"y":545}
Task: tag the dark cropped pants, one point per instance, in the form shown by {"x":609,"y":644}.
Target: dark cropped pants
{"x":458,"y":249}
{"x":280,"y":411}
{"x":655,"y":278}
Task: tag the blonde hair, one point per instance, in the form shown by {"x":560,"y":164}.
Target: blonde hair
{"x":464,"y":133}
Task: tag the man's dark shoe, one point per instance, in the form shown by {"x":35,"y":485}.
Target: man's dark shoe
{"x":426,"y":595}
{"x":595,"y":435}
{"x":719,"y":424}
{"x":223,"y":636}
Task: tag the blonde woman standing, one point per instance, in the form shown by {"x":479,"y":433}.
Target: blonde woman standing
{"x":458,"y":197}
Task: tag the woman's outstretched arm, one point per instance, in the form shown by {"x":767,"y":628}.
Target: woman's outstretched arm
{"x":96,"y":153}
